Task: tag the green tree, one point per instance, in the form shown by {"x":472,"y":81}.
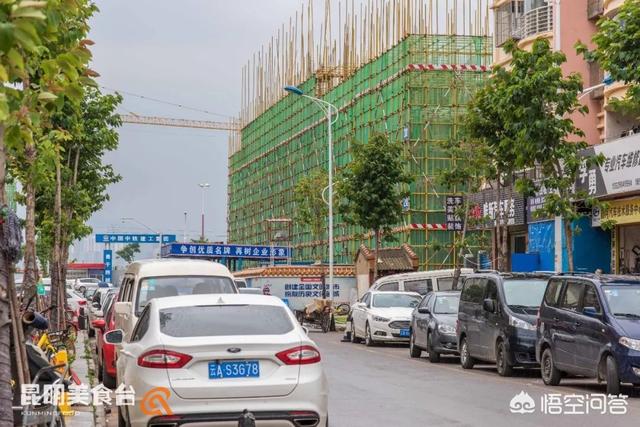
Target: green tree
{"x":128,"y":253}
{"x":311,"y":209}
{"x":489,"y":151}
{"x":471,"y":164}
{"x":618,"y":52}
{"x":373,"y":186}
{"x":535,"y":103}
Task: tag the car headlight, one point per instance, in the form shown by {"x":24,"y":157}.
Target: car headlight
{"x":521,"y":324}
{"x":446,"y":329}
{"x":630,"y":343}
{"x":380,"y":319}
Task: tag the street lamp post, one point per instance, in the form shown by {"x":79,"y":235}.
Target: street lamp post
{"x":184,"y":232}
{"x":329,"y":110}
{"x":203,"y":186}
{"x":125,"y":219}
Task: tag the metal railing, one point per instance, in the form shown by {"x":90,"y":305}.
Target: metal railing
{"x":536,"y":21}
{"x":595,"y":9}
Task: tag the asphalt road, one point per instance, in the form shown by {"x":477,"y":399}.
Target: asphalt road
{"x":382,"y":386}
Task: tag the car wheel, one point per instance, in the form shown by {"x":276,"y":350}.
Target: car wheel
{"x":354,"y":338}
{"x":505,"y":369}
{"x":613,"y":380}
{"x":414,"y":351}
{"x":550,"y":374}
{"x":368,"y":339}
{"x":434,"y":356}
{"x":466,"y":360}
{"x":108,"y":380}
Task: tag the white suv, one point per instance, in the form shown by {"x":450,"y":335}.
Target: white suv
{"x":85,"y":283}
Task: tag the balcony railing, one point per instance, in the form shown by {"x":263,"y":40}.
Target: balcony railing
{"x":595,"y":9}
{"x":536,"y":21}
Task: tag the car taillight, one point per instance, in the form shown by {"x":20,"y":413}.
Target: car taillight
{"x":163,"y":359}
{"x":302,"y":355}
{"x":82,"y":302}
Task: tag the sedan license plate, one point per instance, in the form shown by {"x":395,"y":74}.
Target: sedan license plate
{"x":404,"y":333}
{"x":234,"y":369}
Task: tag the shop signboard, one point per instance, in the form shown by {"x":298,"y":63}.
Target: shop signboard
{"x":620,"y":172}
{"x":622,"y":212}
{"x":452,"y":207}
{"x":486,"y":209}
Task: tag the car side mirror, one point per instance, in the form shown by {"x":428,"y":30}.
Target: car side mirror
{"x":95,"y":305}
{"x":98,"y":324}
{"x":424,"y":310}
{"x":590,"y":311}
{"x":489,"y":305}
{"x":360,"y":305}
{"x":115,"y":336}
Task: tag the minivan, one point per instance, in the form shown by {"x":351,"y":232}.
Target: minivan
{"x":496,"y":319}
{"x":158,"y":278}
{"x":421,"y":282}
{"x":589,"y":325}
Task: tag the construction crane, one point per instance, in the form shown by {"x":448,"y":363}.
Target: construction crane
{"x":233,"y":126}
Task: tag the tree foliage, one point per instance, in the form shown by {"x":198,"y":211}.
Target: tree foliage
{"x":536,"y":102}
{"x":128,"y":253}
{"x":311,"y":209}
{"x":373,"y":186}
{"x":618,"y":52}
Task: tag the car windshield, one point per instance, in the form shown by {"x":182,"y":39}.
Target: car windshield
{"x":446,"y":304}
{"x":171,"y":286}
{"x":524,"y":293}
{"x":224,"y":320}
{"x":623,"y":301}
{"x":395,"y":300}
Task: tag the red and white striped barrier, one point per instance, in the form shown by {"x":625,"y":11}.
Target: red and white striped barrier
{"x":448,"y":67}
{"x":428,"y":226}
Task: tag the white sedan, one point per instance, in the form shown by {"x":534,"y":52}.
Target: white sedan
{"x":211,"y":357}
{"x":383,"y":317}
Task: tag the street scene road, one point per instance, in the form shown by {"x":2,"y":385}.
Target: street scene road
{"x":329,"y":213}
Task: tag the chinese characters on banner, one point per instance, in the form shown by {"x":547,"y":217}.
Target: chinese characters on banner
{"x":214,"y":250}
{"x":107,"y":258}
{"x":135,"y":238}
{"x":453,"y":204}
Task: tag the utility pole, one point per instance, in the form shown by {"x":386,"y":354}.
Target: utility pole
{"x":203,"y":187}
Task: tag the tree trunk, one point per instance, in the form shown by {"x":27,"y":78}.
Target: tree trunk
{"x":57,"y":289}
{"x":504,"y":246}
{"x":568,"y":235}
{"x":7,"y":322}
{"x":375,"y":256}
{"x":30,"y":264}
{"x":498,"y":237}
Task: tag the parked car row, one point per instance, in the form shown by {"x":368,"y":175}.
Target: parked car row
{"x":564,"y":324}
{"x":181,"y":325}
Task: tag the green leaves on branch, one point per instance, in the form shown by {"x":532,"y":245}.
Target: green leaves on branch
{"x":373,"y":184}
{"x":311,"y":209}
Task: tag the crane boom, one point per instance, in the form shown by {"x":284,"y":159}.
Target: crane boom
{"x":181,"y":123}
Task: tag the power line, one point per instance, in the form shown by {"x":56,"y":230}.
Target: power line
{"x":185,"y":107}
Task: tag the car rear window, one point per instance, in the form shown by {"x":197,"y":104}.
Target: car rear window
{"x":171,"y":286}
{"x":224,"y":320}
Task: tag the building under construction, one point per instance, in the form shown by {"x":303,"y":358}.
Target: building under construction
{"x":403,"y":68}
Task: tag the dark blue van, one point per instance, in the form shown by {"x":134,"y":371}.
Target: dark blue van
{"x":589,"y":325}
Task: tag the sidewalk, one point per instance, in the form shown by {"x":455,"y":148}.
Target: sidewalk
{"x":84,"y":368}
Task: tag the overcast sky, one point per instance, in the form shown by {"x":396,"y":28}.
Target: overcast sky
{"x":188,"y":52}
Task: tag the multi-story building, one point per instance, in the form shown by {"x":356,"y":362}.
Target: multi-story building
{"x":564,"y":23}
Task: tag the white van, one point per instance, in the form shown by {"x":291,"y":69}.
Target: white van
{"x":158,"y":278}
{"x":421,"y":282}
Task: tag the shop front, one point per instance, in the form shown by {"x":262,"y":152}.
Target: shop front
{"x":625,"y":244}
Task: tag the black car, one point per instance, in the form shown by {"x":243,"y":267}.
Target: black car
{"x":433,"y":325}
{"x":496,"y":319}
{"x":589,"y":325}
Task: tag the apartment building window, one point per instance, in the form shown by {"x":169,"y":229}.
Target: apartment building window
{"x":529,"y":5}
{"x":507,"y":20}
